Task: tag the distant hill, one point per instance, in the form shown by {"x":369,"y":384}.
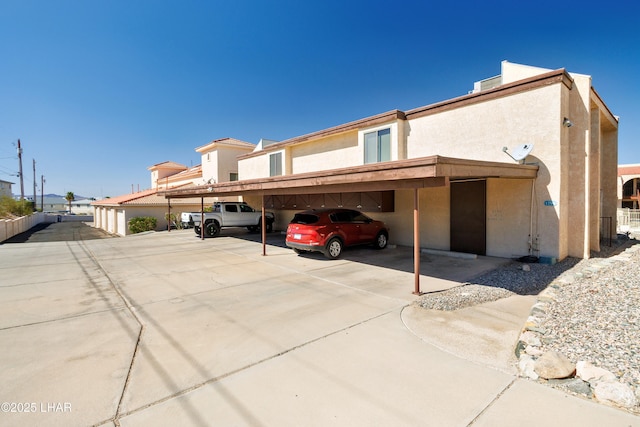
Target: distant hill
{"x":52,"y":195}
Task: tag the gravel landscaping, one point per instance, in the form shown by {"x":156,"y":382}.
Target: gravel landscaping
{"x":588,"y":311}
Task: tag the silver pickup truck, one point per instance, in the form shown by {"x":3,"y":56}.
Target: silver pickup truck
{"x":229,"y":214}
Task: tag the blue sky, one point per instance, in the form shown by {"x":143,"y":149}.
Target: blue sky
{"x":98,"y":91}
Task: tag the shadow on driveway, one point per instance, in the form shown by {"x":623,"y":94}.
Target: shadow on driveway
{"x":60,"y":232}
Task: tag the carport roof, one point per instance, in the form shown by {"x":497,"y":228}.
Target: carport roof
{"x":432,"y":171}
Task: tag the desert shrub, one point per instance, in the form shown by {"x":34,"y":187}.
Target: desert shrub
{"x":173,"y":220}
{"x":142,"y":223}
{"x":9,"y":207}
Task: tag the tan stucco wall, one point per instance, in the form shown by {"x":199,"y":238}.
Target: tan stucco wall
{"x":107,"y":217}
{"x":510,"y":219}
{"x":228,"y":162}
{"x":433,"y":207}
{"x":254,"y":167}
{"x":595,"y":189}
{"x":511,"y":72}
{"x":609,"y":179}
{"x":333,"y":152}
{"x":219,"y":163}
{"x":575,"y":223}
{"x":508,"y":214}
{"x":480,"y":131}
{"x":158,"y":175}
{"x":209,"y":163}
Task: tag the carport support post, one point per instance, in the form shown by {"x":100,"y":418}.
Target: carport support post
{"x":416,"y":243}
{"x":202,"y":218}
{"x":263,"y":229}
{"x":169,"y":215}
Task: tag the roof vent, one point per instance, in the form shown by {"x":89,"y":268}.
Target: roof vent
{"x":487,"y":84}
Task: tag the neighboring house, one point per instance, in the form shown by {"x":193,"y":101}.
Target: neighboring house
{"x":81,"y":207}
{"x":52,"y":204}
{"x":5,"y":188}
{"x":443,"y":172}
{"x":170,"y":174}
{"x":629,"y":186}
{"x":219,"y":164}
{"x":628,"y":219}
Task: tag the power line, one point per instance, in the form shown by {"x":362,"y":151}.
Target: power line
{"x":7,"y":171}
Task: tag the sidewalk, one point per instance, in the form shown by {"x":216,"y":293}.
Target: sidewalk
{"x":166,"y":329}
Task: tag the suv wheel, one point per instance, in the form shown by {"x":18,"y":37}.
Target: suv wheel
{"x":381,"y":240}
{"x":334,"y":248}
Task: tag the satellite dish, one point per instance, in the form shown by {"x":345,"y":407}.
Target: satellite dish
{"x":520,"y":152}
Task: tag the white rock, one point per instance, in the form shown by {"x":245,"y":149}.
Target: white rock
{"x":590,"y":373}
{"x":533,"y":350}
{"x":533,"y":319}
{"x":615,"y":393}
{"x":540,"y":306}
{"x":525,"y":367}
{"x":525,"y":267}
{"x":530,"y":338}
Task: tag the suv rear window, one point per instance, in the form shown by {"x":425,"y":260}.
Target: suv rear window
{"x":304,"y":219}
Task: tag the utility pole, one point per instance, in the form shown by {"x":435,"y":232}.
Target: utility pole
{"x":34,"y":186}
{"x":42,"y":192}
{"x":20,"y":163}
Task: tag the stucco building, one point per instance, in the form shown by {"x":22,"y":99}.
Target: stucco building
{"x":441,"y":175}
{"x":5,"y":188}
{"x":629,"y":186}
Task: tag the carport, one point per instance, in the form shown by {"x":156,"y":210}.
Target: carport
{"x":414,"y":174}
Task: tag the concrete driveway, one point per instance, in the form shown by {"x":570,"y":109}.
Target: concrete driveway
{"x":166,"y":329}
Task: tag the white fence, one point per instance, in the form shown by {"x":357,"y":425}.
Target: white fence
{"x":628,"y":220}
{"x":12,"y":227}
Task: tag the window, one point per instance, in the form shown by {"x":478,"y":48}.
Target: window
{"x":233,"y":176}
{"x":230,"y":208}
{"x":377,"y":146}
{"x":275,"y":164}
{"x":301,"y":218}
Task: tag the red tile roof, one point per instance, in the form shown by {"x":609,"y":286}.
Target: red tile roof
{"x":628,"y":170}
{"x":167,"y":165}
{"x":147,"y":198}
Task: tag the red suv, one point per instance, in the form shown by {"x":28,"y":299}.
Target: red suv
{"x":330,"y":230}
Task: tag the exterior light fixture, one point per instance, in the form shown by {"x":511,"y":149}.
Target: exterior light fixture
{"x":567,"y":123}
